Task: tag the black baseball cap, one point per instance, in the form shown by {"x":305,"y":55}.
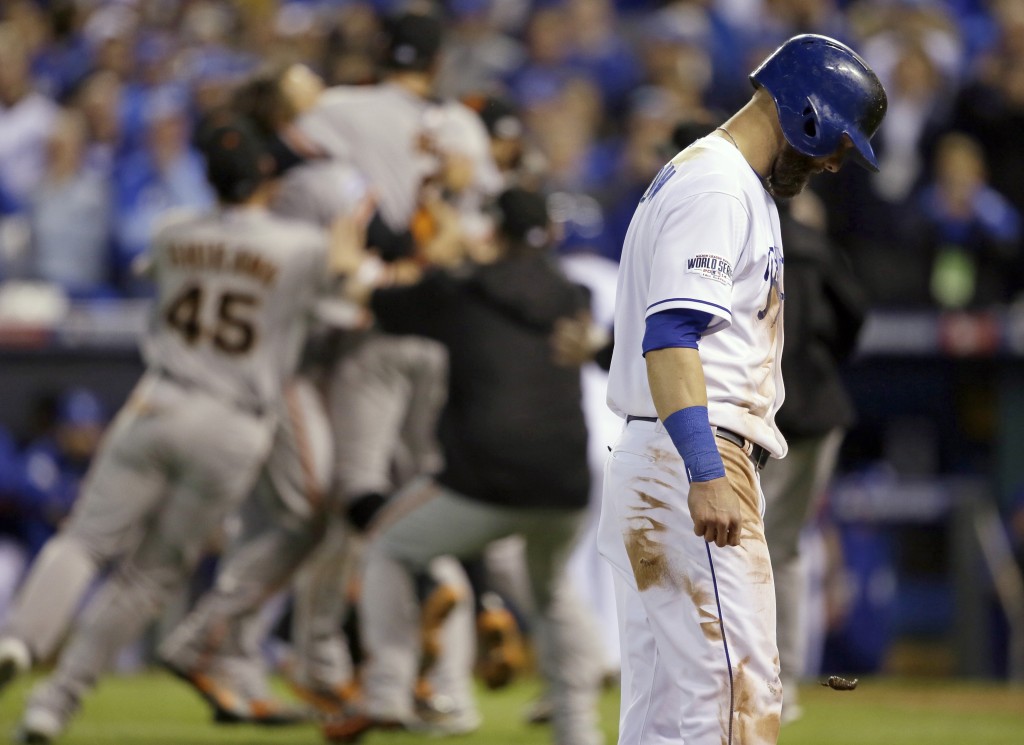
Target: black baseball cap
{"x":522,"y":217}
{"x":237,"y":159}
{"x":413,"y":40}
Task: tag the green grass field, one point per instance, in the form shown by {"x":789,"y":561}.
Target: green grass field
{"x":154,"y":709}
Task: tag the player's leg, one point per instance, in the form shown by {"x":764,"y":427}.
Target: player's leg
{"x":643,"y":673}
{"x":217,"y":647}
{"x":320,"y":670}
{"x":791,"y":486}
{"x":425,"y":365}
{"x":124,"y":485}
{"x":367,"y":400}
{"x":215,"y":468}
{"x":424,"y":521}
{"x":445,"y":692}
{"x":281,"y":524}
{"x":711,"y":611}
{"x":565,"y":637}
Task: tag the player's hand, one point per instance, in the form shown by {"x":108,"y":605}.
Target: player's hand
{"x":715,"y":509}
{"x":576,"y":340}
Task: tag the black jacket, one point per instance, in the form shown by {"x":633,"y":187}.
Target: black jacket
{"x":824,"y":310}
{"x":513,"y":431}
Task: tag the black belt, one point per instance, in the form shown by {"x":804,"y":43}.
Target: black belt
{"x":758,"y":455}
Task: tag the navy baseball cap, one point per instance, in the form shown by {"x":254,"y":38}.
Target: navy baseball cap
{"x":413,"y":40}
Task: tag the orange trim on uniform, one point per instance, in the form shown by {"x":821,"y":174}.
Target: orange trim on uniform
{"x":313,"y":491}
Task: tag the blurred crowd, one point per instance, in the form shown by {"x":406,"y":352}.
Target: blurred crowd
{"x":99,"y":99}
{"x":41,"y":470}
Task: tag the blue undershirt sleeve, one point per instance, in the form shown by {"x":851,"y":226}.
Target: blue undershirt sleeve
{"x":676,"y":327}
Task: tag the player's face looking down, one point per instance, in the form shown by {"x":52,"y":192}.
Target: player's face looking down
{"x":792,"y":169}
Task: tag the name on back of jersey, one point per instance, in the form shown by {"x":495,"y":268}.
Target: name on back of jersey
{"x":709,"y":266}
{"x":218,"y":257}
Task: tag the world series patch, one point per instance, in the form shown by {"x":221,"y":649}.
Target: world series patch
{"x":710,"y":267}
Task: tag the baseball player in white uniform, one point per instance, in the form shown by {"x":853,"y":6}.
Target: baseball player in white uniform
{"x":233,"y":292}
{"x":696,"y":376}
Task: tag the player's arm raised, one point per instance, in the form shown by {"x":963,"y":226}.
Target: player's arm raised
{"x":676,"y":378}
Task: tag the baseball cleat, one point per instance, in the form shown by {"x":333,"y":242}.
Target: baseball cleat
{"x":353,"y":726}
{"x":327,"y":700}
{"x":39,"y":726}
{"x":231,"y":707}
{"x":541,"y":711}
{"x":502,"y":654}
{"x":15,"y":659}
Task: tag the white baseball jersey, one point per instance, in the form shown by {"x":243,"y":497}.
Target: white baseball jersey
{"x":706,"y":236}
{"x":234,"y":292}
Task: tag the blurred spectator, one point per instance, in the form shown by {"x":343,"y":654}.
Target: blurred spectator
{"x":676,"y":56}
{"x":350,"y":50}
{"x":973,"y":231}
{"x":66,"y":57}
{"x":99,"y":99}
{"x":13,"y":556}
{"x":166,"y":174}
{"x":653,"y":115}
{"x":789,"y":17}
{"x":548,"y":43}
{"x":69,"y":215}
{"x":56,"y":461}
{"x":26,"y":117}
{"x":477,"y":55}
{"x":110,"y":32}
{"x":917,"y":111}
{"x":875,"y":215}
{"x":600,"y":52}
{"x":991,"y":107}
{"x":39,"y":484}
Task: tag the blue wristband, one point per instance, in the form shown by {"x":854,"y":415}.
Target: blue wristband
{"x":691,"y":434}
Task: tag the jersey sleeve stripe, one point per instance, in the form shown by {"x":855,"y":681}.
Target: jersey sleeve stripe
{"x":689,"y":300}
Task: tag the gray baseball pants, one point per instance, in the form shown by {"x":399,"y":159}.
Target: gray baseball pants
{"x":174,"y":463}
{"x":283,"y":525}
{"x":384,"y":397}
{"x":427,"y":520}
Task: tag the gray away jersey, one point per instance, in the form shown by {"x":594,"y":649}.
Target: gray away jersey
{"x":234,"y":292}
{"x":378,"y":129}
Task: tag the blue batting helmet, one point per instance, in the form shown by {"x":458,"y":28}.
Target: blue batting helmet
{"x":823,"y":90}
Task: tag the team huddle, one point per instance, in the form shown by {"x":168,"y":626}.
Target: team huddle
{"x":351,"y":359}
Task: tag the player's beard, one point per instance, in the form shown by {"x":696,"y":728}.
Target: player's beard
{"x":790,"y":173}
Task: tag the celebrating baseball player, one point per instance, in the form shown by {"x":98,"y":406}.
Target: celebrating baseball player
{"x":233,"y":291}
{"x":696,"y":376}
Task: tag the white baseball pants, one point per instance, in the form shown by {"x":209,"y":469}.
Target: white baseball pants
{"x":699,"y":660}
